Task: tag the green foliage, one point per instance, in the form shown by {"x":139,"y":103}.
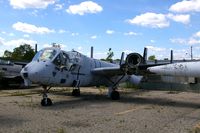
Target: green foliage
{"x":152,"y":57}
{"x":7,"y":54}
{"x":110,"y":55}
{"x":128,"y":85}
{"x":21,"y":53}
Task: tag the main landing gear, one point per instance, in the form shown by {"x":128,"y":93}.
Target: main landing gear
{"x":76,"y":89}
{"x":112,"y":91}
{"x":115,"y":95}
{"x":46,"y":101}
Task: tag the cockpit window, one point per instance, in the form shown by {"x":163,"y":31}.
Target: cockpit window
{"x":63,"y":61}
{"x":58,"y":60}
{"x":45,"y":55}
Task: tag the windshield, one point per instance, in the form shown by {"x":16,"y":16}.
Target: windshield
{"x":45,"y":55}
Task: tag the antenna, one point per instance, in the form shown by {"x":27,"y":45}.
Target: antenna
{"x":91,"y":52}
{"x":36,"y":48}
{"x":122,"y":59}
{"x":145,"y":55}
{"x":191,"y":54}
{"x":171,"y":56}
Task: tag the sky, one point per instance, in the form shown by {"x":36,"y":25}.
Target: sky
{"x":123,"y":25}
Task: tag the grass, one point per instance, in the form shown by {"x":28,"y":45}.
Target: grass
{"x":61,"y":130}
{"x":129,"y":85}
{"x":21,"y":93}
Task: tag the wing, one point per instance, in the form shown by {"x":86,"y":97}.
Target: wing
{"x":109,"y":71}
{"x":121,"y":70}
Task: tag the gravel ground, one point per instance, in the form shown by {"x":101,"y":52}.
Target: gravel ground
{"x":136,"y":112}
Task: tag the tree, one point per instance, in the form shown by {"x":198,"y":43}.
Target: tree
{"x":152,"y":57}
{"x":110,"y":55}
{"x":21,"y":53}
{"x":7,"y":54}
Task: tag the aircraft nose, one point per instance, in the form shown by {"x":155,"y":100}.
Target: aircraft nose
{"x":37,"y":72}
{"x":32,"y":73}
{"x":24,"y":74}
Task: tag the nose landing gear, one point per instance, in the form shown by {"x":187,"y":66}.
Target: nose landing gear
{"x":46,"y":101}
{"x":76,"y":88}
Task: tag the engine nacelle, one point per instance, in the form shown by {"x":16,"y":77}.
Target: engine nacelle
{"x":133,"y":60}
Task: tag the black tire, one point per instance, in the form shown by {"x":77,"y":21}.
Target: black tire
{"x":46,"y":102}
{"x":76,"y":92}
{"x":115,"y":95}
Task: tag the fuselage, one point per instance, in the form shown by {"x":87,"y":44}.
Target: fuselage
{"x":54,"y":67}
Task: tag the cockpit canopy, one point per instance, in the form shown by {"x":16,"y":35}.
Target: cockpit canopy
{"x":45,"y":55}
{"x":58,"y":57}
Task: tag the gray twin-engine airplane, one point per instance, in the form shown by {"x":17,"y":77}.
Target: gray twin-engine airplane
{"x":52,"y":67}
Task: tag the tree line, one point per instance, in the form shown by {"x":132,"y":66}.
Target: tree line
{"x":25,"y":53}
{"x":22,"y":53}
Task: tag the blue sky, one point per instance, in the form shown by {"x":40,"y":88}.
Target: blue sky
{"x":123,"y":25}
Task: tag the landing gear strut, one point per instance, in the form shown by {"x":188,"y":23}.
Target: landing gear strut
{"x":76,"y":89}
{"x":113,"y":93}
{"x":46,"y":101}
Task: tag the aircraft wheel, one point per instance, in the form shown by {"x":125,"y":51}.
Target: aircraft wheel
{"x":115,"y":95}
{"x":76,"y":92}
{"x":46,"y":102}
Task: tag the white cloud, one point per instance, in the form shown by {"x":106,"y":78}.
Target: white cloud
{"x":130,"y":33}
{"x":197,"y":34}
{"x":185,"y":19}
{"x":74,"y":34}
{"x":152,"y":41}
{"x":59,"y":6}
{"x":61,"y":31}
{"x":110,"y":32}
{"x":11,"y":34}
{"x":186,"y":6}
{"x":8,"y":34}
{"x":1,"y":41}
{"x":190,"y":41}
{"x":19,"y":42}
{"x":156,"y":49}
{"x":29,"y":28}
{"x":26,"y":35}
{"x":149,"y":19}
{"x":23,"y":4}
{"x":80,"y":48}
{"x":93,"y":37}
{"x":127,"y":51}
{"x":84,"y":7}
{"x":193,"y":41}
{"x":3,"y":32}
{"x":34,"y":13}
{"x":99,"y":55}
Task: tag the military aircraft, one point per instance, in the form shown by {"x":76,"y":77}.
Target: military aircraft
{"x":10,"y":73}
{"x":54,"y":67}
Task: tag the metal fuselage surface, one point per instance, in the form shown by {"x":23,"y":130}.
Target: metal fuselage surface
{"x":54,"y":67}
